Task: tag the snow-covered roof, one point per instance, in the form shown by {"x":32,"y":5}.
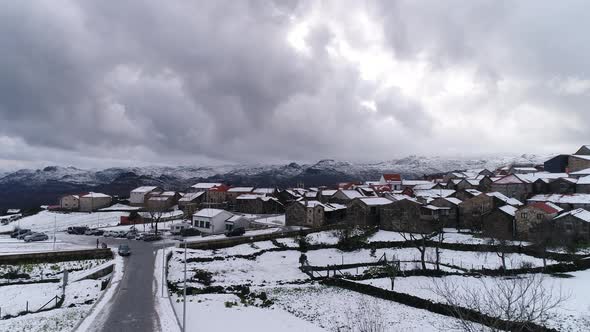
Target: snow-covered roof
{"x":264,"y":191}
{"x":235,"y":218}
{"x":334,"y":206}
{"x":582,"y":172}
{"x":205,"y":185}
{"x":96,"y":195}
{"x":585,"y":157}
{"x":144,"y":189}
{"x":505,"y":199}
{"x":399,"y":197}
{"x":453,"y":200}
{"x":424,"y":186}
{"x":240,"y":189}
{"x":581,"y":214}
{"x":208,"y":212}
{"x":584,"y":180}
{"x":512,"y":179}
{"x":562,"y":199}
{"x":328,"y":192}
{"x":121,"y":207}
{"x":13,"y":211}
{"x":351,"y":193}
{"x":473,"y":192}
{"x":190,"y":196}
{"x":249,"y":196}
{"x":414,"y":182}
{"x":545,"y":206}
{"x":509,"y":209}
{"x":375,"y":201}
{"x":436,"y":208}
{"x":434,"y":193}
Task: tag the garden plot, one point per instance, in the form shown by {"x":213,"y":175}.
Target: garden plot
{"x":270,"y":268}
{"x":337,"y":309}
{"x":572,"y":315}
{"x":10,"y":245}
{"x":464,"y":259}
{"x":209,"y":313}
{"x":47,"y":221}
{"x":41,"y":271}
{"x":326,"y":237}
{"x":62,"y":320}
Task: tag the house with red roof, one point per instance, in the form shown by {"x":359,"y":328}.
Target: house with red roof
{"x":392,"y":179}
{"x":529,"y":218}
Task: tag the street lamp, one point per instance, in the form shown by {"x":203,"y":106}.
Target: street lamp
{"x":184,"y":291}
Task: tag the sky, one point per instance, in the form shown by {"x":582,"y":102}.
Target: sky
{"x":141,"y":82}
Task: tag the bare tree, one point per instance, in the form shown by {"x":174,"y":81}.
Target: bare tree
{"x":156,"y":213}
{"x":419,"y":241}
{"x":500,"y":247}
{"x":514,"y":304}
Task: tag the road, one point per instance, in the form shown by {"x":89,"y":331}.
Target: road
{"x":132,"y":307}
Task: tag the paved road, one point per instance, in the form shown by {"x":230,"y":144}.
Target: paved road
{"x":132,"y":306}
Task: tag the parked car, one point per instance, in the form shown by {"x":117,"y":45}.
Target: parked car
{"x":18,"y":232}
{"x":151,"y":237}
{"x":139,"y":236}
{"x":121,"y":234}
{"x":238,"y":231}
{"x":36,"y":237}
{"x":109,"y":233}
{"x":190,"y":232}
{"x":77,"y":230}
{"x":22,"y":236}
{"x":124,"y":250}
{"x":130,"y":235}
{"x":97,"y":232}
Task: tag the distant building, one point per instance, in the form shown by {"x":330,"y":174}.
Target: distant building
{"x":70,"y":202}
{"x":573,"y":226}
{"x":257,"y":204}
{"x":394,"y":180}
{"x":139,"y":196}
{"x":162,"y":201}
{"x":499,"y":223}
{"x":203,"y":186}
{"x":94,"y":201}
{"x":233,"y":193}
{"x":314,"y":213}
{"x":513,"y":186}
{"x":189,"y":203}
{"x":529,"y":217}
{"x":557,"y":164}
{"x":366,"y":211}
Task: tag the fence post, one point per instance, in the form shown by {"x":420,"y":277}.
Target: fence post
{"x":27,"y":307}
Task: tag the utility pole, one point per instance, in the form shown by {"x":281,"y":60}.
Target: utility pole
{"x":184,"y":293}
{"x":54,"y":228}
{"x":163,"y":268}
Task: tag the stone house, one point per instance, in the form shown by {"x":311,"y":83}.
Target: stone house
{"x":288,"y":196}
{"x":529,"y":217}
{"x":313,"y":214}
{"x":513,"y":186}
{"x":162,"y":201}
{"x":451,"y":218}
{"x":233,"y":193}
{"x":94,"y":201}
{"x":257,"y":204}
{"x":404,"y":216}
{"x":562,"y":186}
{"x":70,"y":202}
{"x":566,"y":202}
{"x":217,"y":196}
{"x":140,"y":195}
{"x":499,"y":223}
{"x":366,"y":211}
{"x":189,"y":203}
{"x":583,"y":185}
{"x":579,"y":160}
{"x":572,"y":226}
{"x":466,"y":194}
{"x":327,"y":195}
{"x":344,"y":196}
{"x":472,"y":210}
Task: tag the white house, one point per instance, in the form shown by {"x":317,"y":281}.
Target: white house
{"x":393,"y":180}
{"x":211,"y":221}
{"x":94,"y":201}
{"x":138,"y":195}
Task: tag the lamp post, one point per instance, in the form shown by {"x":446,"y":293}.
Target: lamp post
{"x":184,"y":293}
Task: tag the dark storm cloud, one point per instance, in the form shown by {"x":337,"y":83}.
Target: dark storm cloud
{"x":217,"y":80}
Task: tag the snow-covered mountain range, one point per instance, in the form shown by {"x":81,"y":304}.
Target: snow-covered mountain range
{"x":28,"y":187}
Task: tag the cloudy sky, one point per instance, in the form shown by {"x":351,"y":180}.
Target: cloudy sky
{"x":103,"y":83}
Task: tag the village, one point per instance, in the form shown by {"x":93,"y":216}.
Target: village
{"x":389,"y":245}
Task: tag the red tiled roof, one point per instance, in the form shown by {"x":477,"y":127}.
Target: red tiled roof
{"x":392,"y":177}
{"x":544,"y":207}
{"x":219,"y":188}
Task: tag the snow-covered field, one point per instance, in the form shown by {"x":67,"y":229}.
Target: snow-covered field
{"x":572,"y":315}
{"x":10,"y":245}
{"x":47,"y":221}
{"x":337,"y":309}
{"x":80,"y":295}
{"x":464,"y":259}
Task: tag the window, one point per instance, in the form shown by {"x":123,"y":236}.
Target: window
{"x":539,"y":216}
{"x":207,"y":224}
{"x":228,"y":227}
{"x":568,"y":226}
{"x":373,"y":210}
{"x":523,"y":215}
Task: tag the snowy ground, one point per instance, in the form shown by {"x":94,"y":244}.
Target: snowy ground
{"x":573,"y":315}
{"x":80,"y":295}
{"x":10,"y":245}
{"x":42,"y":271}
{"x":47,"y":221}
{"x":337,"y":309}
